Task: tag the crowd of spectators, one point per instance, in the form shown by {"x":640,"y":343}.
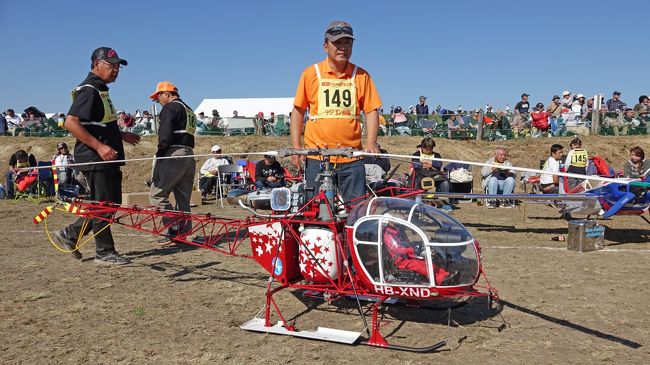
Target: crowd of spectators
{"x":566,"y":114}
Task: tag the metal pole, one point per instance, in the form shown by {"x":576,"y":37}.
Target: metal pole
{"x":479,"y":126}
{"x":595,"y":115}
{"x":155,"y":118}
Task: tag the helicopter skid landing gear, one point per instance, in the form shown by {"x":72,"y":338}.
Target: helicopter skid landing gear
{"x":377,"y":340}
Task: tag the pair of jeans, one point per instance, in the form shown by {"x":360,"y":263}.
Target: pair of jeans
{"x":496,"y":186}
{"x":350,"y":178}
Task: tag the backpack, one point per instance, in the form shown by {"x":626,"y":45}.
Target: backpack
{"x":602,"y":168}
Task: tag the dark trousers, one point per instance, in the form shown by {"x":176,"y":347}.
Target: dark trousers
{"x":9,"y":177}
{"x":268,"y":184}
{"x":105,"y":186}
{"x":206,"y":184}
{"x":350,"y":178}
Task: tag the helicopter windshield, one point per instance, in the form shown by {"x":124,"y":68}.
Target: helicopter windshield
{"x":402,"y":242}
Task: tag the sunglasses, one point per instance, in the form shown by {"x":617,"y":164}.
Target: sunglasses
{"x":340,"y":30}
{"x":115,"y":66}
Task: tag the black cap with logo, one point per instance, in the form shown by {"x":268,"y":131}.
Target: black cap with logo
{"x":107,"y":54}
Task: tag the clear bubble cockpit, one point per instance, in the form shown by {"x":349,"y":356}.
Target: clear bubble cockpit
{"x":403,"y":242}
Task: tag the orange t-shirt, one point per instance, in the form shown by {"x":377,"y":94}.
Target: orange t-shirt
{"x":335,"y":132}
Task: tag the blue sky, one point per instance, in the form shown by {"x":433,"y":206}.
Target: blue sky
{"x":455,"y":52}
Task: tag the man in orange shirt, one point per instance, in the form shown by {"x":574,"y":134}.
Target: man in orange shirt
{"x":336,"y":92}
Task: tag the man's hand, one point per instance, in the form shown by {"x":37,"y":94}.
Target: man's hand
{"x":271,"y":179}
{"x":298,"y":161}
{"x":106,"y":152}
{"x":130,"y":138}
{"x":372,"y":148}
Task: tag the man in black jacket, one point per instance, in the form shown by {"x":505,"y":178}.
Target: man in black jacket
{"x":175,"y":139}
{"x":269,"y":173}
{"x":93,"y":121}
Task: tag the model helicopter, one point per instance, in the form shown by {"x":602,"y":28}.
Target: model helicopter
{"x":380,"y":249}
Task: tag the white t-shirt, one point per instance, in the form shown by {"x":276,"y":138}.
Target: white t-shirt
{"x":551,"y":165}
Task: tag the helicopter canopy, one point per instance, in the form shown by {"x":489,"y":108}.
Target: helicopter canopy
{"x":403,"y":242}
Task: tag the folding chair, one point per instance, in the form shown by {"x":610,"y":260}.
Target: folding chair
{"x":238,"y":180}
{"x":37,"y":185}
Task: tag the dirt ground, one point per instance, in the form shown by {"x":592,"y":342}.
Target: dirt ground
{"x":172,"y":306}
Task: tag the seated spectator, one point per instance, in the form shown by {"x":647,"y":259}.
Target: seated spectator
{"x":376,"y":168}
{"x":61,"y":160}
{"x":518,"y":125}
{"x":269,"y":173}
{"x":210,"y":171}
{"x":400,"y":121}
{"x":382,"y":162}
{"x":454,"y":123}
{"x":637,"y":166}
{"x":499,"y":180}
{"x":17,"y":161}
{"x":540,"y":120}
{"x":202,"y":123}
{"x":13,"y":121}
{"x":643,"y":107}
{"x":424,"y":167}
{"x":550,"y":184}
{"x":567,"y":99}
{"x":630,"y":119}
{"x":145,"y":121}
{"x":215,"y":119}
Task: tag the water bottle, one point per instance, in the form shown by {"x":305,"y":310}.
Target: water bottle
{"x":558,"y":238}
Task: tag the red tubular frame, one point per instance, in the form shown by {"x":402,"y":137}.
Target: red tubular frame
{"x":219,"y":231}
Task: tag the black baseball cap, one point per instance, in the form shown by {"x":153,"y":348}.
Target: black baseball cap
{"x":61,"y":145}
{"x":107,"y":54}
{"x":524,"y":94}
{"x":616,"y":93}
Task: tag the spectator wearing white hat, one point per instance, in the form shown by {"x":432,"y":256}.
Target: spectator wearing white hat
{"x":210,"y":170}
{"x":567,"y":99}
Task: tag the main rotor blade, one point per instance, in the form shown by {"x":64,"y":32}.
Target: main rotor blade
{"x":523,"y":169}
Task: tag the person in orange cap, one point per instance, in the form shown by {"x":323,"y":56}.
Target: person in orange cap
{"x":175,"y":139}
{"x":336,"y":92}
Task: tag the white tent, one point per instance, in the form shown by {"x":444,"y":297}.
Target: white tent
{"x":245,"y":107}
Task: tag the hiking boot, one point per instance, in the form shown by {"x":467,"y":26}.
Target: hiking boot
{"x":111,"y":258}
{"x":491,"y":204}
{"x":67,"y":244}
